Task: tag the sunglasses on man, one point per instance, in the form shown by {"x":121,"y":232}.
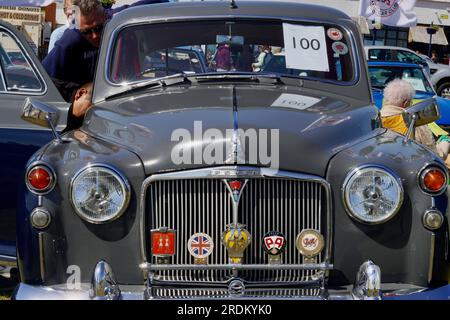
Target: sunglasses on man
{"x":96,"y":29}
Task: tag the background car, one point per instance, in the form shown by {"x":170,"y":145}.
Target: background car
{"x":439,"y":73}
{"x":345,"y":210}
{"x":381,"y":73}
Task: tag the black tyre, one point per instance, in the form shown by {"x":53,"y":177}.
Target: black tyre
{"x":444,"y":90}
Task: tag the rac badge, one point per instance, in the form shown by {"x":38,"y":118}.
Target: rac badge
{"x":274,"y":243}
{"x":200,"y":246}
{"x":310,"y":243}
{"x":236,"y":239}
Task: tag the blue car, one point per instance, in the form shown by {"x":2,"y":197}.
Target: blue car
{"x":381,"y":73}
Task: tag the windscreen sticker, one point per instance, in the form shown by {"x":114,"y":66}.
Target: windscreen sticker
{"x":334,"y":34}
{"x":305,"y":47}
{"x":295,"y":101}
{"x":417,"y":83}
{"x":340,"y":48}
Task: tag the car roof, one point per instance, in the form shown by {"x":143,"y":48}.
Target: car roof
{"x":388,"y":48}
{"x":392,"y":64}
{"x":208,"y":9}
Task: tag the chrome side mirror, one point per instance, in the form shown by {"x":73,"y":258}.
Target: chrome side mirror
{"x":420,"y":114}
{"x":43,"y":115}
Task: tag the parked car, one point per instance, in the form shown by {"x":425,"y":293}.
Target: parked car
{"x":381,"y":73}
{"x":165,"y":193}
{"x":439,"y":73}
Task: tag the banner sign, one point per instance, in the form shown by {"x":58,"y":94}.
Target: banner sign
{"x":398,"y":13}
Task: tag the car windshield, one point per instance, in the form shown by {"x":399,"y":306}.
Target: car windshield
{"x":304,"y":50}
{"x":380,"y":76}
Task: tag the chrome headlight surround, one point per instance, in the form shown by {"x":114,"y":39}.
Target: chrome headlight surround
{"x":114,"y":174}
{"x":382,"y":171}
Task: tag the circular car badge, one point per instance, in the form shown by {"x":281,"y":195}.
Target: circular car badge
{"x":340,"y":48}
{"x":200,"y":245}
{"x":310,"y":243}
{"x":334,"y":34}
{"x":274,"y":243}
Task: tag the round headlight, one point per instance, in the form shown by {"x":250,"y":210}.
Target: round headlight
{"x":99,"y":194}
{"x":372,"y":195}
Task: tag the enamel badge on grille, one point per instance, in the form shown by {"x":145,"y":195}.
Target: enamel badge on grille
{"x":310,"y":243}
{"x":236,"y":239}
{"x":200,"y":246}
{"x":274,"y":244}
{"x":163,"y":242}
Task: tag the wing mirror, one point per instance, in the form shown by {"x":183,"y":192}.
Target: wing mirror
{"x":43,"y":115}
{"x":420,"y":114}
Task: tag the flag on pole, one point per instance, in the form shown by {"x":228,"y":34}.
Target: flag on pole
{"x":398,"y":13}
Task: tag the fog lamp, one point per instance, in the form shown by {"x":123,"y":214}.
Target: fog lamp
{"x":40,"y":218}
{"x":433,"y":219}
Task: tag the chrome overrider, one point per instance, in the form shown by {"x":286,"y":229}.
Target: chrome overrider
{"x":368,"y":282}
{"x":103,"y":284}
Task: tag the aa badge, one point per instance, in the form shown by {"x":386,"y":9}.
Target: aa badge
{"x":200,"y":246}
{"x":274,"y":243}
{"x":236,"y":239}
{"x":310,"y":243}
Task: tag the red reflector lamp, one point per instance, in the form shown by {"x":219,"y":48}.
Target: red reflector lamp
{"x":433,"y":180}
{"x":163,"y":242}
{"x":40,"y":179}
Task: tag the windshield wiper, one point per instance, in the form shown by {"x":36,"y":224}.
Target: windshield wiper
{"x":153,"y":83}
{"x":255,"y":78}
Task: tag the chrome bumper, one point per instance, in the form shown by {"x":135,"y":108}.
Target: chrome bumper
{"x":104,"y":287}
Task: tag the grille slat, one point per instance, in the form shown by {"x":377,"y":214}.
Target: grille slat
{"x":267,"y":204}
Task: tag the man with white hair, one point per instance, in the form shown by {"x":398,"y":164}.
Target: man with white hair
{"x":398,"y":95}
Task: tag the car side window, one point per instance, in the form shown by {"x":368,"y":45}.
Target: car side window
{"x":17,"y":73}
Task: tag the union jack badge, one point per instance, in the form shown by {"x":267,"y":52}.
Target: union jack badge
{"x":200,"y":246}
{"x":274,"y":243}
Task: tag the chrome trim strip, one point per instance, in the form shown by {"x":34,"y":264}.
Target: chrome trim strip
{"x":41,"y":255}
{"x":34,"y":68}
{"x":124,"y":182}
{"x":306,"y":266}
{"x":8,"y":261}
{"x":242,"y":172}
{"x":114,"y":34}
{"x":431,"y":258}
{"x":365,"y":166}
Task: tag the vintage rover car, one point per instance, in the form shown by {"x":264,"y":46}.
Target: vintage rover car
{"x":231,"y":183}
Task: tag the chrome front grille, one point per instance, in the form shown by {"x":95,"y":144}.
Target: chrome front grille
{"x":191,"y":205}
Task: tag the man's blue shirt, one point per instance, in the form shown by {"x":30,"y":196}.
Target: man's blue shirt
{"x":73,"y":58}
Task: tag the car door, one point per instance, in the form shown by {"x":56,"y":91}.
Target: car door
{"x":19,"y":139}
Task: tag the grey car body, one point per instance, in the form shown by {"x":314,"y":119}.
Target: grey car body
{"x":131,"y":135}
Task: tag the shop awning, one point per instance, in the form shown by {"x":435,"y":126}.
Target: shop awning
{"x":363,"y":25}
{"x":26,"y":3}
{"x":419,"y":34}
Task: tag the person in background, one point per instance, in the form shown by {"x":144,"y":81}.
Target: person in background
{"x":398,"y":95}
{"x":58,"y":32}
{"x":223,"y":57}
{"x":263,"y":57}
{"x":434,"y":56}
{"x":74,"y":56}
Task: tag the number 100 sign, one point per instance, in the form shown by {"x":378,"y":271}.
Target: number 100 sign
{"x":305,"y":47}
